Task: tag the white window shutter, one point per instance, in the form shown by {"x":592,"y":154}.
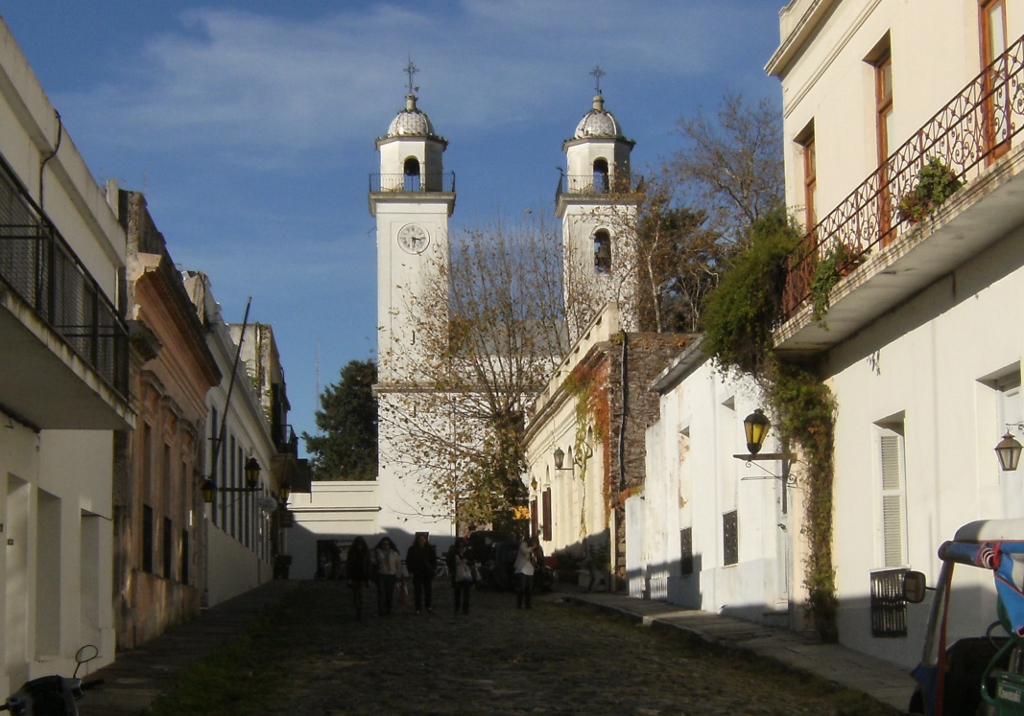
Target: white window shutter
{"x":892,"y":500}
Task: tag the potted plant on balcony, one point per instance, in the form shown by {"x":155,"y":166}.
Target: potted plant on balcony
{"x":935,"y":183}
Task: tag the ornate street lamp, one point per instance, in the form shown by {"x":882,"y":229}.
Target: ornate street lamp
{"x":1008,"y":451}
{"x":756,"y":427}
{"x":209,"y":488}
{"x":252,"y":472}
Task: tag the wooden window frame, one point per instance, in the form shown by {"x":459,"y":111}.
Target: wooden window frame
{"x":994,"y":148}
{"x":881,"y":61}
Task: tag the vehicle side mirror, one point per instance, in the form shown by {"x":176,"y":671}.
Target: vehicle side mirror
{"x":914,"y":587}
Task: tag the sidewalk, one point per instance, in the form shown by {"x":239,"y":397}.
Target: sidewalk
{"x":884,"y":681}
{"x":137,"y":677}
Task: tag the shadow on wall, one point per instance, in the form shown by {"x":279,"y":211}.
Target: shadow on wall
{"x":586,"y":563}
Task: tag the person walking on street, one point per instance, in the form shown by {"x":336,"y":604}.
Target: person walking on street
{"x":460,"y":566}
{"x":387,"y":563}
{"x":357,"y":572}
{"x":421,"y":561}
{"x":525,"y":566}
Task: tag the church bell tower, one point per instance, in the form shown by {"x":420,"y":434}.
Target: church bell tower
{"x":597,"y":206}
{"x":412,"y":199}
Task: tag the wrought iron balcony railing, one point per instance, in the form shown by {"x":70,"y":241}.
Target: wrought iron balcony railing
{"x":37,"y":265}
{"x":285,"y":439}
{"x":595,"y":185}
{"x":412,"y":183}
{"x":966,"y":135}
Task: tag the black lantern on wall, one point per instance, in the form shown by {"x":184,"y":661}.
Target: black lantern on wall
{"x":1008,"y":451}
{"x":756,"y":427}
{"x":251,"y":471}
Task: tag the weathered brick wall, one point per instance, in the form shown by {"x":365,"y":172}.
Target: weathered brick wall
{"x":632,"y":408}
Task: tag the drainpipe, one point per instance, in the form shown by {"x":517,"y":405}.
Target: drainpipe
{"x":56,"y":148}
{"x":625,"y":402}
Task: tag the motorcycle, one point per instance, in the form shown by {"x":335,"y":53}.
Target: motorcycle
{"x":53,"y":695}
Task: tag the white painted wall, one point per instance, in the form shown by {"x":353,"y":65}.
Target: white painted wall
{"x":337,"y":510}
{"x":55,"y":507}
{"x":932,"y":367}
{"x":693,"y":480}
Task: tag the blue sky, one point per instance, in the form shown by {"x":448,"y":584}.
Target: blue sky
{"x":250,"y":124}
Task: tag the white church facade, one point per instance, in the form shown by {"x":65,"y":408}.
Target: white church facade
{"x":412,"y":199}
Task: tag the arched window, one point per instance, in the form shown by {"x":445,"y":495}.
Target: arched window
{"x":602,"y":251}
{"x":600,"y":176}
{"x":412,"y":174}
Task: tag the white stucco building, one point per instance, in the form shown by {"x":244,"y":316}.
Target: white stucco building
{"x":243,"y":538}
{"x":917,"y":344}
{"x":63,"y":386}
{"x":918,"y":350}
{"x":711,"y":531}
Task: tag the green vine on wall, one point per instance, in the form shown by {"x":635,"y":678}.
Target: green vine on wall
{"x":739,"y":318}
{"x":591,"y":412}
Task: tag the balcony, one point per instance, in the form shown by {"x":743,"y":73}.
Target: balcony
{"x":286,"y":466}
{"x":595,"y":185}
{"x":891,"y":257}
{"x":64,"y":351}
{"x":426,"y":188}
{"x":595,"y":189}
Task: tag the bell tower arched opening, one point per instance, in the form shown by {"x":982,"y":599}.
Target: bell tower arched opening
{"x":411,"y":174}
{"x":601,"y":185}
{"x":602,"y":251}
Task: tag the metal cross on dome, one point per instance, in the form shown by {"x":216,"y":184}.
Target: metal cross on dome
{"x":597,"y":74}
{"x":411,"y":70}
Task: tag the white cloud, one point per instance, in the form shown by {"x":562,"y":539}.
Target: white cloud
{"x":265,"y":90}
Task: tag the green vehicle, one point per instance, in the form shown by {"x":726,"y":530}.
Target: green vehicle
{"x":981,"y":672}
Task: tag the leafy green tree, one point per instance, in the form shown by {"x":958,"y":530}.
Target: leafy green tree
{"x":346,"y":448}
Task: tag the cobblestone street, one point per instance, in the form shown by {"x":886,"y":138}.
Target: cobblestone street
{"x":558,"y":658}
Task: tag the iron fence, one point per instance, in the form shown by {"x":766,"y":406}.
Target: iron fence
{"x":596,"y":184}
{"x":966,"y":135}
{"x":412,"y":183}
{"x":37,"y":265}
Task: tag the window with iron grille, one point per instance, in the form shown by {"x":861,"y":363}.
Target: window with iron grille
{"x":168,"y":551}
{"x":184,"y":557}
{"x":686,"y":551}
{"x":534,"y":517}
{"x":730,"y":538}
{"x":547,"y":514}
{"x":147,"y":538}
{"x":888,"y":607}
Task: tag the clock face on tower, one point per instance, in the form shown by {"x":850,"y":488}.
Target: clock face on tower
{"x":413,"y":238}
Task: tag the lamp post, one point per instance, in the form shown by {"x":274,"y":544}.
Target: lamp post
{"x":756,"y":426}
{"x":251,"y":470}
{"x":1008,"y":451}
{"x":560,"y":459}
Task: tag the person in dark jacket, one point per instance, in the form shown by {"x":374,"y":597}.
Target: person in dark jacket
{"x":357,"y":571}
{"x":460,"y":567}
{"x":421,"y":561}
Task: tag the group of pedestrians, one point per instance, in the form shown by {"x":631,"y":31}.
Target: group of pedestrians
{"x":383,"y":565}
